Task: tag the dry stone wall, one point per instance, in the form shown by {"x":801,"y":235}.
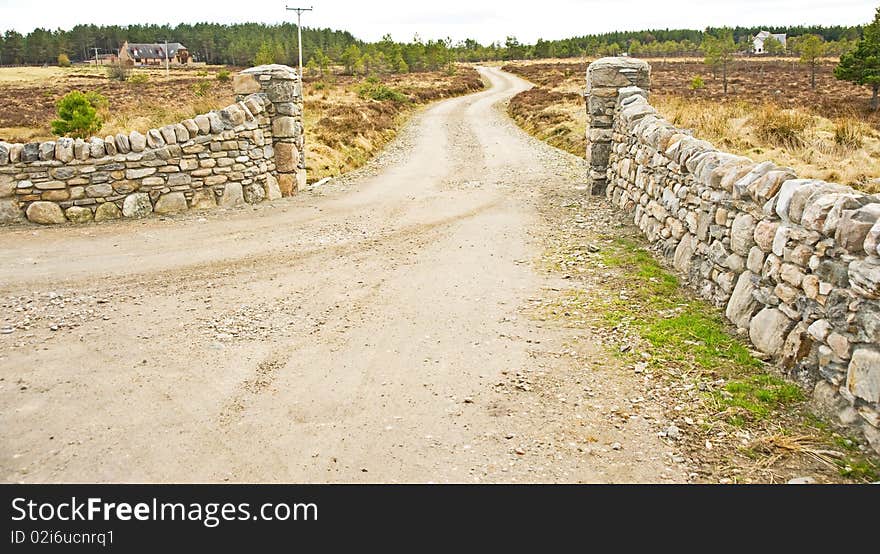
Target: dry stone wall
{"x":794,"y":262}
{"x":243,"y":154}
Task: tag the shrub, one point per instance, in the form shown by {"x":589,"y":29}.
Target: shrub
{"x":697,"y":83}
{"x":97,"y":100}
{"x":77,"y":116}
{"x":201,"y":88}
{"x":319,"y":85}
{"x":139,"y":79}
{"x":118,"y":71}
{"x":849,"y":133}
{"x":63,"y":60}
{"x":786,"y":128}
{"x":224,"y":76}
{"x":202,"y":73}
{"x":375,"y":90}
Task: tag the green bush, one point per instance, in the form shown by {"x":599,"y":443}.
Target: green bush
{"x":224,"y":76}
{"x":373,"y":89}
{"x":697,"y":83}
{"x":77,"y":117}
{"x":139,"y":79}
{"x":201,"y":88}
{"x":97,"y":100}
{"x":63,"y":60}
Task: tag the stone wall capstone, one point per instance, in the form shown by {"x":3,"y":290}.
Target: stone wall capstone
{"x":795,"y":263}
{"x":245,"y":153}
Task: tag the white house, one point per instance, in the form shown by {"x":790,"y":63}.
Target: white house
{"x":758,"y":40}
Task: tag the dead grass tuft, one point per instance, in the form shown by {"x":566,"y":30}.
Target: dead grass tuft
{"x":850,"y":133}
{"x":776,"y":447}
{"x":785,"y":128}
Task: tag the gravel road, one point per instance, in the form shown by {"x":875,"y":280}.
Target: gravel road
{"x":375,"y":329}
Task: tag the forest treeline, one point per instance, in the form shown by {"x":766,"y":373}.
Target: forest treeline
{"x":253,"y":43}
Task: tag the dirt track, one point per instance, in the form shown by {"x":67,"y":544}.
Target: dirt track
{"x":373,"y":331}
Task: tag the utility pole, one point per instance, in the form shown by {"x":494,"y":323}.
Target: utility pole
{"x":167,"y":70}
{"x":299,"y":33}
{"x":96,"y":56}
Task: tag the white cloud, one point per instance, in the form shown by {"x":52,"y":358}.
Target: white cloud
{"x":486,"y":20}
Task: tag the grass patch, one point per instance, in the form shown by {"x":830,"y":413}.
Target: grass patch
{"x":689,"y":341}
{"x":859,"y":470}
{"x":703,"y":334}
{"x":756,"y":397}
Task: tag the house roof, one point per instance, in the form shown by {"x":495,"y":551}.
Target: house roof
{"x":143,"y":51}
{"x":764,"y":35}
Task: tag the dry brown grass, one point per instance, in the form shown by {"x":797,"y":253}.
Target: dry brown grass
{"x":771,"y":114}
{"x":784,"y":128}
{"x":343,"y":129}
{"x":28,"y":97}
{"x":844,"y":150}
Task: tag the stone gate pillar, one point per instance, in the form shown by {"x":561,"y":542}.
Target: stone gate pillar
{"x":282,"y":85}
{"x":605,"y":77}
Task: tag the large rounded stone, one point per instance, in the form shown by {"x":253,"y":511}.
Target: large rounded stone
{"x":96,"y":148}
{"x":203,"y":122}
{"x":742,"y":304}
{"x":122,"y":144}
{"x":273,"y":191}
{"x":203,"y":199}
{"x":765,"y":233}
{"x":45,"y":213}
{"x":286,"y":157}
{"x":79,"y":214}
{"x":9,"y":211}
{"x":137,"y":141}
{"x":232,"y":196}
{"x":285,"y":127}
{"x":64,"y":149}
{"x":254,"y":193}
{"x":742,"y":234}
{"x":863,"y":375}
{"x":768,"y":330}
{"x":137,"y":205}
{"x":172,"y":202}
{"x":287,"y":183}
{"x":107,"y":211}
{"x":245,"y":84}
{"x":7,"y":186}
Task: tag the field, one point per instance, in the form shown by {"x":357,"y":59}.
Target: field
{"x":769,"y":113}
{"x":348,"y":119}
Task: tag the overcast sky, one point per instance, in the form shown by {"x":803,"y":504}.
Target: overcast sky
{"x":483,"y":20}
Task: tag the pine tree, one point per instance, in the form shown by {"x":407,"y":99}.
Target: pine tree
{"x":862,"y":65}
{"x":719,"y":53}
{"x":351,"y":59}
{"x":265,"y":55}
{"x":400,"y":65}
{"x":812,"y":48}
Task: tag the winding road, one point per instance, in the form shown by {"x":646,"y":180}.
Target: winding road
{"x":373,"y":330}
